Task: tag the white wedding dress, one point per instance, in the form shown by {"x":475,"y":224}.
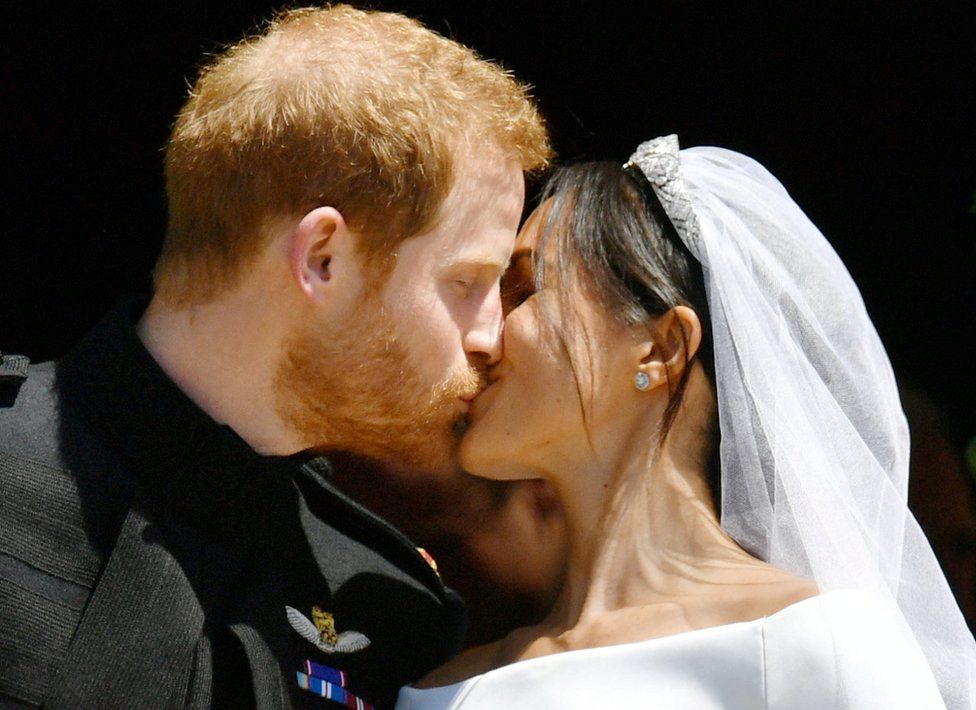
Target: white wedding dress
{"x":787,"y":660}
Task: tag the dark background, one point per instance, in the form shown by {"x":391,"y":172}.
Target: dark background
{"x":866,"y":113}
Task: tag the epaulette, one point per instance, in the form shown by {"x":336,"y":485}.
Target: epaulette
{"x":13,"y":372}
{"x":13,"y":368}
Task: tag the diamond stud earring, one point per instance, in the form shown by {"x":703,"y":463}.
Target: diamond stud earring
{"x":642,"y":381}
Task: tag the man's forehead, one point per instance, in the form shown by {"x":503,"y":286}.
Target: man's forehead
{"x":470,"y":244}
{"x":485,"y":176}
{"x":478,"y":220}
{"x":480,"y":226}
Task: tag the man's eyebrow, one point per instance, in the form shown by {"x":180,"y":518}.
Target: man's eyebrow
{"x":480,"y":260}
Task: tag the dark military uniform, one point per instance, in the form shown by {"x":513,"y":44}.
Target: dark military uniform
{"x":150,"y":558}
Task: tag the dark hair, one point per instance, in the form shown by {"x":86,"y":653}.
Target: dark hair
{"x":603,"y":222}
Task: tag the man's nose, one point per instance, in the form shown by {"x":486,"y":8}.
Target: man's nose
{"x":483,"y":340}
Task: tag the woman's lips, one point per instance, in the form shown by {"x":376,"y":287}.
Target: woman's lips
{"x":478,"y":403}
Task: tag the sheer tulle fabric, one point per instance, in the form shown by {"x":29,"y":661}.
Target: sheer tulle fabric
{"x":814,"y":442}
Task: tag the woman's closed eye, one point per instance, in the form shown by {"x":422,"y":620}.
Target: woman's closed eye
{"x":517,"y":286}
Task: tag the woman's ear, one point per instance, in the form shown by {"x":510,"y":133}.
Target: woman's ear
{"x":318,"y":239}
{"x":664,"y":358}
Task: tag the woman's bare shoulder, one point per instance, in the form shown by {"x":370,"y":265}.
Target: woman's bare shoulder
{"x":767,"y":598}
{"x":769,"y":592}
{"x":519,"y":644}
{"x":785,"y":592}
{"x":474,"y":661}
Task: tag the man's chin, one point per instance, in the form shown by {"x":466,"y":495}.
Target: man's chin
{"x":426,"y":464}
{"x":430,"y":451}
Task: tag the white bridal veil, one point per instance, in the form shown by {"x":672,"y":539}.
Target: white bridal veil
{"x":814,"y":442}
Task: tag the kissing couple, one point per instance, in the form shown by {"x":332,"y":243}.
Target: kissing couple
{"x":667,"y":341}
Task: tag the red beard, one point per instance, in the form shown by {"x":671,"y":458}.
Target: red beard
{"x":359,"y":392}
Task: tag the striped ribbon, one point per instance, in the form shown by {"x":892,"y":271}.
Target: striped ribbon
{"x":331,"y":691}
{"x":333,"y":675}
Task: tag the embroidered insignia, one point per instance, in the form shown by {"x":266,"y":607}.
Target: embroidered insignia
{"x":321,"y":632}
{"x":430,"y":560}
{"x":336,"y":693}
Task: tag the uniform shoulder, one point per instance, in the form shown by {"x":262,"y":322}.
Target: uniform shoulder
{"x":21,"y":380}
{"x":14,"y":370}
{"x":29,"y":412}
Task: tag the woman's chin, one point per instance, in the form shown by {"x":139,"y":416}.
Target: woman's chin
{"x":471,"y":452}
{"x":479,"y":455}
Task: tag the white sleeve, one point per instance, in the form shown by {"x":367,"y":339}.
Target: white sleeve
{"x":806,"y":644}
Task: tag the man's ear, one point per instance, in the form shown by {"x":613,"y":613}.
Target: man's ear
{"x":320,"y":244}
{"x":664,"y":360}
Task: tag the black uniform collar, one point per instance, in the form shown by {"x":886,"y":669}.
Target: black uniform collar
{"x":200,"y":468}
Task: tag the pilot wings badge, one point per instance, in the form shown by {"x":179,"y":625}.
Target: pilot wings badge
{"x":320,"y":631}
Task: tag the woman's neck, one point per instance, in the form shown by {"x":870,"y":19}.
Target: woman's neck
{"x":657,"y":540}
{"x":642,"y":528}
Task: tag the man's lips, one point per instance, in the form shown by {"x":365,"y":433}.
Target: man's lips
{"x":481,"y":397}
{"x":471,"y":396}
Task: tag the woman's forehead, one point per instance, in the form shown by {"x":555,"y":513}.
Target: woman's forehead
{"x":528,"y":235}
{"x":540,"y":233}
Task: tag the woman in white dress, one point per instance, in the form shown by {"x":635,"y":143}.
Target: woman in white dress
{"x":691,"y":367}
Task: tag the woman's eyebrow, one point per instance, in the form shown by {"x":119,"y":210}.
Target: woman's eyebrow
{"x":515,"y":261}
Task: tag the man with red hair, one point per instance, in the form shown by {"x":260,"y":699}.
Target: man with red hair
{"x":344,"y":192}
